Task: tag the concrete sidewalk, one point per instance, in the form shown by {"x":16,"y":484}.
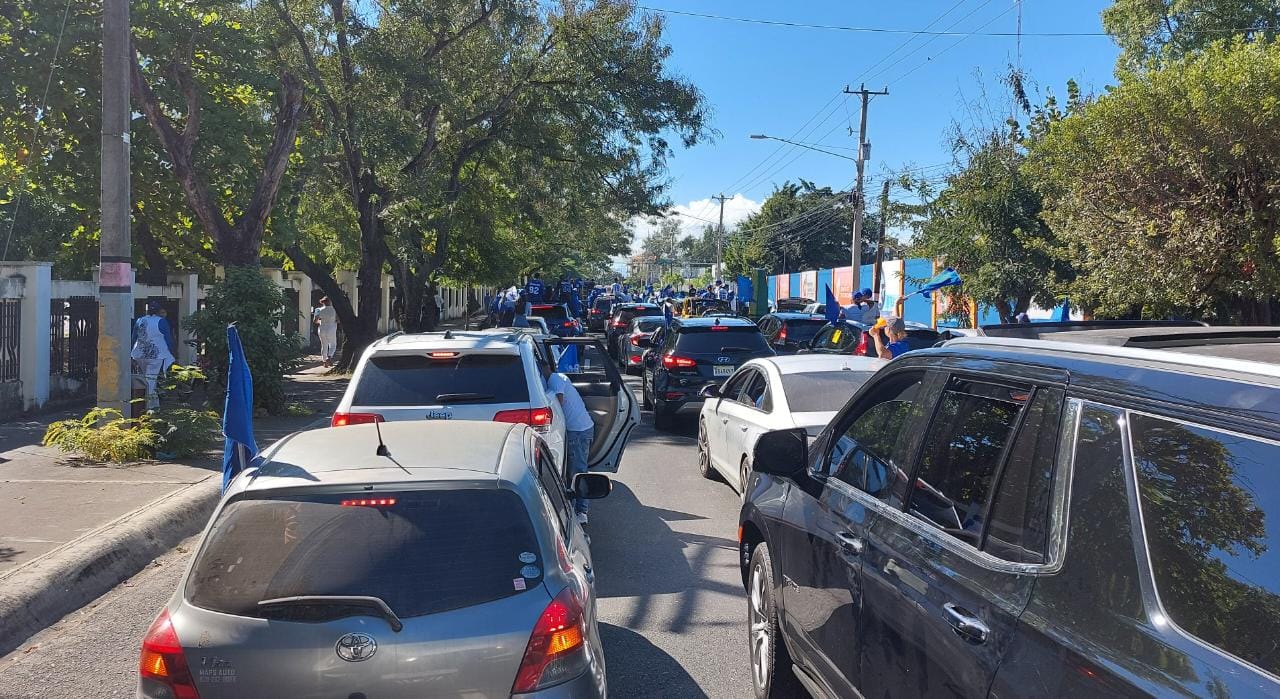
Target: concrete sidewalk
{"x":70,"y":529}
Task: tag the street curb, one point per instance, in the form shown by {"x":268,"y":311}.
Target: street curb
{"x":41,"y":592}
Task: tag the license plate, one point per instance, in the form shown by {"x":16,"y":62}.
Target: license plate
{"x":439,"y":415}
{"x":723,"y":370}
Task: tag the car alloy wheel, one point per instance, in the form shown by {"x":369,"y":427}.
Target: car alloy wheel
{"x":645,"y":398}
{"x":771,"y":672}
{"x":704,"y":452}
{"x":743,"y":474}
{"x":761,"y":633}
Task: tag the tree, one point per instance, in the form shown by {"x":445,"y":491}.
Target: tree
{"x":799,"y":226}
{"x":1161,"y":30}
{"x":1163,"y":188}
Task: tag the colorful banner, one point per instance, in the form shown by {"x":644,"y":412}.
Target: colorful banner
{"x":842,"y":284}
{"x":783,"y":287}
{"x":809,"y":284}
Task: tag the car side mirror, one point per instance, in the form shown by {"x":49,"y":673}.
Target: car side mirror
{"x":782,"y":453}
{"x":591,"y":486}
{"x":710,"y":391}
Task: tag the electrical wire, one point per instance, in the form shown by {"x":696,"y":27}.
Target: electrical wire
{"x":35,"y":132}
{"x":908,"y":41}
{"x":956,"y":43}
{"x":931,"y":39}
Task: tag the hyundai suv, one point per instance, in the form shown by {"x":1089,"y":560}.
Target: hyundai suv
{"x":693,"y":353}
{"x":1009,"y":517}
{"x":398,"y":560}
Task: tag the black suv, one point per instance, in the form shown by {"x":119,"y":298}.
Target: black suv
{"x":692,"y":353}
{"x":598,"y":314}
{"x":850,"y":337}
{"x":620,"y":318}
{"x":788,"y":333}
{"x":1007,"y":517}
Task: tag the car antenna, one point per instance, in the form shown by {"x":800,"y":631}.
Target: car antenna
{"x":383,"y":450}
{"x":448,"y":334}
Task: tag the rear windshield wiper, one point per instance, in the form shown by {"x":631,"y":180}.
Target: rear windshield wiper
{"x":374,"y":604}
{"x":462,"y":397}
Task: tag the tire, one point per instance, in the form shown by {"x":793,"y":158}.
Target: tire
{"x":704,"y":454}
{"x":645,"y":400}
{"x":744,"y":472}
{"x":772,"y":676}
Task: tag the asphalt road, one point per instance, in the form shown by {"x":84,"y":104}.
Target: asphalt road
{"x":671,"y":605}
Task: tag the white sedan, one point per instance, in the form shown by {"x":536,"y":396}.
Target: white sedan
{"x":773,"y":393}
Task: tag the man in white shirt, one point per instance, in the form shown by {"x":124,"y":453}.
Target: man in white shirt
{"x":578,"y":427}
{"x":326,"y":319}
{"x":871,"y":312}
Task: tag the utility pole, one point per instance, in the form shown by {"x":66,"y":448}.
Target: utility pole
{"x":876,"y":272}
{"x":860,"y":204}
{"x":115,"y":275}
{"x":719,"y":273}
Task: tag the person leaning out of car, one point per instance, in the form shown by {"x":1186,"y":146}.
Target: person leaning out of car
{"x":896,"y":341}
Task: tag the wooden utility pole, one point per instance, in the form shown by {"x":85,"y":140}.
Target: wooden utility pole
{"x":719,"y":273}
{"x":860,"y":204}
{"x":115,"y":273}
{"x":876,"y":272}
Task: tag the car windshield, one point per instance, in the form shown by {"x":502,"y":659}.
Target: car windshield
{"x":822,"y":391}
{"x":421,"y":552}
{"x":803,"y":330}
{"x":731,"y":339}
{"x":416,"y":379}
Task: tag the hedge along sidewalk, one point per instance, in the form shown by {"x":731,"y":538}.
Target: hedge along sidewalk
{"x":71,"y":530}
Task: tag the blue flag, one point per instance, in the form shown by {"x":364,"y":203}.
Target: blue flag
{"x":746,"y":291}
{"x":666,"y":314}
{"x":568,"y":363}
{"x":947,"y":277}
{"x":1063,"y":313}
{"x":237,"y":413}
{"x":833,"y":307}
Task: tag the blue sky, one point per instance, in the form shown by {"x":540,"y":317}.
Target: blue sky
{"x":775,"y":79}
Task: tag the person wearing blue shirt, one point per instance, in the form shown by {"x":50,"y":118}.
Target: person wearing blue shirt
{"x":535,"y":288}
{"x":565,"y":289}
{"x":579,"y":429}
{"x":896,"y":343}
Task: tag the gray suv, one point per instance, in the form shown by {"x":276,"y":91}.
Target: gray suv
{"x":406,"y":559}
{"x":1010,"y":517}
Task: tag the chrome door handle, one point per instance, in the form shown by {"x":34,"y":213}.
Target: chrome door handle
{"x":966,"y":626}
{"x":744,"y":428}
{"x":851,"y":544}
{"x":724,"y":420}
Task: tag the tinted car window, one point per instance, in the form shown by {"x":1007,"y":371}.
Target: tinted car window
{"x":755,"y":392}
{"x":554,"y":487}
{"x":432,"y":550}
{"x":801,"y":331}
{"x":646,"y":325}
{"x":625,"y":315}
{"x":822,"y":391}
{"x":838,"y":338}
{"x":415,"y":379}
{"x":603,"y":305}
{"x":709,"y":342}
{"x":870,"y":453}
{"x":1211,"y":510}
{"x":1020,"y":515}
{"x":551,"y":313}
{"x":961,"y":455}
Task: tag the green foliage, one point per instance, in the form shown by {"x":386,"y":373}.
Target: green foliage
{"x":256,"y":306}
{"x":1151,"y":31}
{"x":799,"y":226}
{"x":1163,"y":189}
{"x":105,"y":434}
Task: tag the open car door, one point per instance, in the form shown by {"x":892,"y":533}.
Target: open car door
{"x":613,"y":408}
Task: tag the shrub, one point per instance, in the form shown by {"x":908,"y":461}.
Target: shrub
{"x":104,"y":434}
{"x":256,"y":306}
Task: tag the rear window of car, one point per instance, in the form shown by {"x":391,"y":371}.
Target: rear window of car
{"x":431,"y":551}
{"x":803,"y":330}
{"x":706,"y":340}
{"x":822,"y":391}
{"x":625,"y":315}
{"x":416,"y":379}
{"x":922,"y":339}
{"x":550,"y":312}
{"x":648,"y":326}
{"x":1211,"y":510}
{"x":603,"y":305}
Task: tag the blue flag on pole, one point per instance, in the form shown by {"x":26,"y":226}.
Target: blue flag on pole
{"x":1063,"y":313}
{"x":666,"y":314}
{"x":568,"y":363}
{"x":237,"y":413}
{"x":833,"y":307}
{"x":746,"y":291}
{"x":947,"y":277}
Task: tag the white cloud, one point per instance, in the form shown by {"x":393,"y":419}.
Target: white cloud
{"x":695,"y":215}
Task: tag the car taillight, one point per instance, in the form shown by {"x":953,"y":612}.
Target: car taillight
{"x":537,"y":418}
{"x":557,"y":650}
{"x":862,"y":344}
{"x":344,"y":419}
{"x":672,"y":361}
{"x":163,"y":661}
{"x":782,"y":335}
{"x":634,"y":359}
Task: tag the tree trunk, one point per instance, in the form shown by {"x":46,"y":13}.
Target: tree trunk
{"x":1006,"y":313}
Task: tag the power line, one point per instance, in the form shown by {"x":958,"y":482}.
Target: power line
{"x":954,"y":44}
{"x":908,"y":41}
{"x":932,"y":39}
{"x":919,"y":32}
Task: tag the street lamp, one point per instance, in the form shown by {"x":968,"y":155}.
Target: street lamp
{"x":765,"y":137}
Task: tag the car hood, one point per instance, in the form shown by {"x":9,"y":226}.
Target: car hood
{"x":813,"y":423}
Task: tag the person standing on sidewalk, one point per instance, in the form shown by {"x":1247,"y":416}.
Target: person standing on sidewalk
{"x":578,"y":427}
{"x":326,"y":319}
{"x":153,"y":347}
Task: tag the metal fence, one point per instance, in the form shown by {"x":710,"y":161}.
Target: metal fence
{"x":82,"y":338}
{"x":10,"y":331}
{"x":58,"y":320}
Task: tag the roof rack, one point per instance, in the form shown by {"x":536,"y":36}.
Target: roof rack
{"x":1161,"y":356}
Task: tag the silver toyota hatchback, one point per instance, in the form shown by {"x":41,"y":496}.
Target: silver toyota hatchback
{"x":409,"y":559}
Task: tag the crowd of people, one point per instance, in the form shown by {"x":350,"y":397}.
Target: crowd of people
{"x":512,"y":306}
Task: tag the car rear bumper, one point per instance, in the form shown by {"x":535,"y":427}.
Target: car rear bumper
{"x":588,"y":685}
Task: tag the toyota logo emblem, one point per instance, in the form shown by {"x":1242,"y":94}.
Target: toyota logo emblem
{"x":356,"y":647}
{"x":723,"y":360}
